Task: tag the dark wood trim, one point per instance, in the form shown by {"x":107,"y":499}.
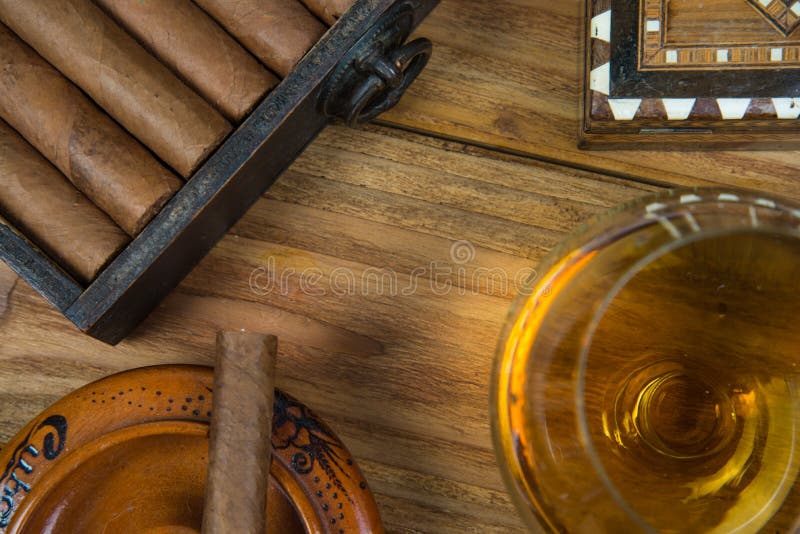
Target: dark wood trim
{"x":38,"y":270}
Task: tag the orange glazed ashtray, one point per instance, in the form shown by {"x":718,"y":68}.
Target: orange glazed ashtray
{"x":129,"y":453}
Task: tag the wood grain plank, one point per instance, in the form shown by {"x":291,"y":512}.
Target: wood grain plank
{"x":8,"y":279}
{"x":506,"y":74}
{"x":402,"y":378}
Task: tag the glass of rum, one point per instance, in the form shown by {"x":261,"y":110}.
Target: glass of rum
{"x":647,"y":377}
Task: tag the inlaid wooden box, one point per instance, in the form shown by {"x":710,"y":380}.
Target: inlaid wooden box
{"x":688,"y":74}
{"x":344,"y":75}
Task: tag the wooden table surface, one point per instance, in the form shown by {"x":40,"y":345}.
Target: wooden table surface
{"x":376,"y":239}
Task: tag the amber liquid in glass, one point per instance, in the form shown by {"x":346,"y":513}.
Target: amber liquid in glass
{"x":689,"y":386}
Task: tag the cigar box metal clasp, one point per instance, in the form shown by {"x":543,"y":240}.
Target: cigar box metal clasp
{"x":377,"y":70}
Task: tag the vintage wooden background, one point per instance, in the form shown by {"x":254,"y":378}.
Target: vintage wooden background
{"x":476,"y":168}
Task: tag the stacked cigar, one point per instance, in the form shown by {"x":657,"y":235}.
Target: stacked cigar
{"x":108,"y":105}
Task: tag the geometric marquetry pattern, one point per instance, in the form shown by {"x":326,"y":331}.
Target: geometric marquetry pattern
{"x":603,"y":107}
{"x":783,"y":14}
{"x":656,"y":54}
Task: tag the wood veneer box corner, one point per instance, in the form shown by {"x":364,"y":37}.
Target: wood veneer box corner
{"x":760,"y":127}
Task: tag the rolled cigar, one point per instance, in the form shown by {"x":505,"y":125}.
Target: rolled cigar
{"x":40,"y":202}
{"x":278,"y":32}
{"x":195,"y":47}
{"x":329,"y":10}
{"x":122,"y":77}
{"x":241,"y":427}
{"x":103,"y":161}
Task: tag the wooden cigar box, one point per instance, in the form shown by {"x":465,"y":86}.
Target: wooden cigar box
{"x":359,"y":68}
{"x":686,"y":74}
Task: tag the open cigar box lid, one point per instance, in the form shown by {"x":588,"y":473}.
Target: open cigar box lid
{"x":128,"y":453}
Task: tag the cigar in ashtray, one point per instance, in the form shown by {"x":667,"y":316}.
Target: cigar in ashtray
{"x":131,"y":85}
{"x":194,"y":46}
{"x":40,"y":201}
{"x":103,"y":161}
{"x":241,"y":426}
{"x":278,"y":32}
